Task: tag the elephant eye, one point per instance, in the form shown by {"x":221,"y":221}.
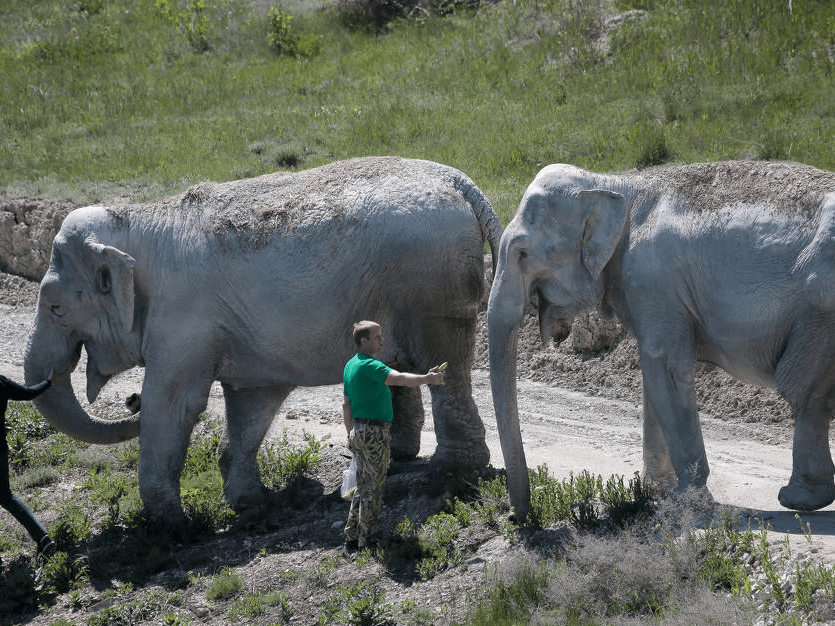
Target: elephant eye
{"x":104,"y":280}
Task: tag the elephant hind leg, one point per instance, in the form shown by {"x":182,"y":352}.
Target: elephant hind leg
{"x":409,"y":418}
{"x":249,"y":414}
{"x":806,"y":379}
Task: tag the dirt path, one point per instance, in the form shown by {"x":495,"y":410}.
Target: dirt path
{"x":566,"y":430}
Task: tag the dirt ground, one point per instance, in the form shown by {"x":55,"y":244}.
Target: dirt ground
{"x":578,"y":411}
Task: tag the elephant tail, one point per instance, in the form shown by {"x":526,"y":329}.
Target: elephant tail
{"x":488,"y":221}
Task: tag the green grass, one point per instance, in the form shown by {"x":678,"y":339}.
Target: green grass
{"x":146,"y":97}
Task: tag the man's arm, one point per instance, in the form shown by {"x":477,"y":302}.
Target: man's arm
{"x":404,"y":379}
{"x":347,"y":417}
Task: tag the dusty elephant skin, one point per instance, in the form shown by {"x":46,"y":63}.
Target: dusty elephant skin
{"x":256,"y":284}
{"x":726,"y":263}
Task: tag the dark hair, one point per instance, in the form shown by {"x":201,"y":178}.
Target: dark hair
{"x":362,"y":330}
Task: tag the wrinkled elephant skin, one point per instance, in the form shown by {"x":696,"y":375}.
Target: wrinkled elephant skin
{"x":256,"y":284}
{"x":727,"y":263}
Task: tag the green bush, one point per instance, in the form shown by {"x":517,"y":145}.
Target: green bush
{"x":585,"y":500}
{"x":281,"y":462}
{"x":286,"y":39}
{"x":224,"y":586}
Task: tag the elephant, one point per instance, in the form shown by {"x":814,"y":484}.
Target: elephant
{"x":256,"y":284}
{"x":727,"y":263}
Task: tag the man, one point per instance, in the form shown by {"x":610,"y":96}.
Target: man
{"x":10,"y":390}
{"x":367,"y":412}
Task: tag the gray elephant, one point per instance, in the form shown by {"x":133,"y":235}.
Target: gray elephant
{"x":727,"y":263}
{"x":256,"y":284}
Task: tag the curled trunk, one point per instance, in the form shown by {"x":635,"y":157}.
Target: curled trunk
{"x":59,"y":405}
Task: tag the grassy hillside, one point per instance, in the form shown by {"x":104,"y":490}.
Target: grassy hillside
{"x":144,"y":97}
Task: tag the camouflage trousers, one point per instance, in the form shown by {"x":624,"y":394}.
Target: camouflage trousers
{"x":369,"y":442}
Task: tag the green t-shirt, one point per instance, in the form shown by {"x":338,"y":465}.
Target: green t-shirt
{"x":364,"y":381}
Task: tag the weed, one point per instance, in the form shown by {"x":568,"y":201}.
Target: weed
{"x":436,"y":537}
{"x":585,"y":500}
{"x":145,"y":607}
{"x":224,"y":586}
{"x":109,"y":489}
{"x":281,"y":463}
{"x":513,"y":589}
{"x":74,"y":523}
{"x":175,"y":619}
{"x":62,"y":573}
{"x":654,"y":149}
{"x":357,"y":605}
{"x":38,"y":477}
{"x":253,"y":605}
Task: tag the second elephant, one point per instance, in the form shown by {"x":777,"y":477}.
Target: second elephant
{"x":728,"y":263}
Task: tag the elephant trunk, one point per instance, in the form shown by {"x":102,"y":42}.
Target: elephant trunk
{"x":504,"y":314}
{"x":59,"y":405}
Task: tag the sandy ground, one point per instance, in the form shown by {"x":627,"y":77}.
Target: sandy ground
{"x":566,"y":430}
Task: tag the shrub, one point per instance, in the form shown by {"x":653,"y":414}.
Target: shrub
{"x":653,"y":145}
{"x":280,"y":462}
{"x":286,"y":39}
{"x":224,"y":586}
{"x":585,"y":501}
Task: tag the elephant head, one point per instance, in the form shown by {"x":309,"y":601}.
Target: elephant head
{"x":86,"y":300}
{"x":554,"y":251}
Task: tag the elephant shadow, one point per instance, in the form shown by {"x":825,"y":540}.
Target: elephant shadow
{"x":809,"y":523}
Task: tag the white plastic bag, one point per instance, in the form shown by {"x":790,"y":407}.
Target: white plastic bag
{"x":349,"y":480}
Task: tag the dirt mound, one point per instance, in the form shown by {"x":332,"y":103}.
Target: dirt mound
{"x":27,"y":228}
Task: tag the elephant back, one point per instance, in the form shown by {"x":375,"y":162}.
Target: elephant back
{"x":782,"y":187}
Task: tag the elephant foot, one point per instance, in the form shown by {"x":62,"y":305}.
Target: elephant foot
{"x":242,"y":496}
{"x":475,"y":455}
{"x":800,"y":495}
{"x":664,"y":481}
{"x":697,"y":499}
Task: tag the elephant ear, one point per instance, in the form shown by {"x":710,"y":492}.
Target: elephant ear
{"x":114,"y":276}
{"x":605,"y":217}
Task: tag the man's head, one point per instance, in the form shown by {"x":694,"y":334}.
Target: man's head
{"x":369,"y":337}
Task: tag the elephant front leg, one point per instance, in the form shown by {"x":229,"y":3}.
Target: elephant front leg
{"x":249,"y":414}
{"x":673,"y":435}
{"x":409,"y":418}
{"x":166,"y":425}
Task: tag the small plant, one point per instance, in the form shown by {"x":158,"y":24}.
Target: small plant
{"x":358,"y":605}
{"x":175,"y":619}
{"x":223,"y":586}
{"x":142,"y":609}
{"x":191,"y":21}
{"x":25,"y":426}
{"x":654,"y":149}
{"x":436,"y":541}
{"x":253,"y":605}
{"x":280,"y":462}
{"x":61,"y":573}
{"x":74,"y":523}
{"x":108,"y":488}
